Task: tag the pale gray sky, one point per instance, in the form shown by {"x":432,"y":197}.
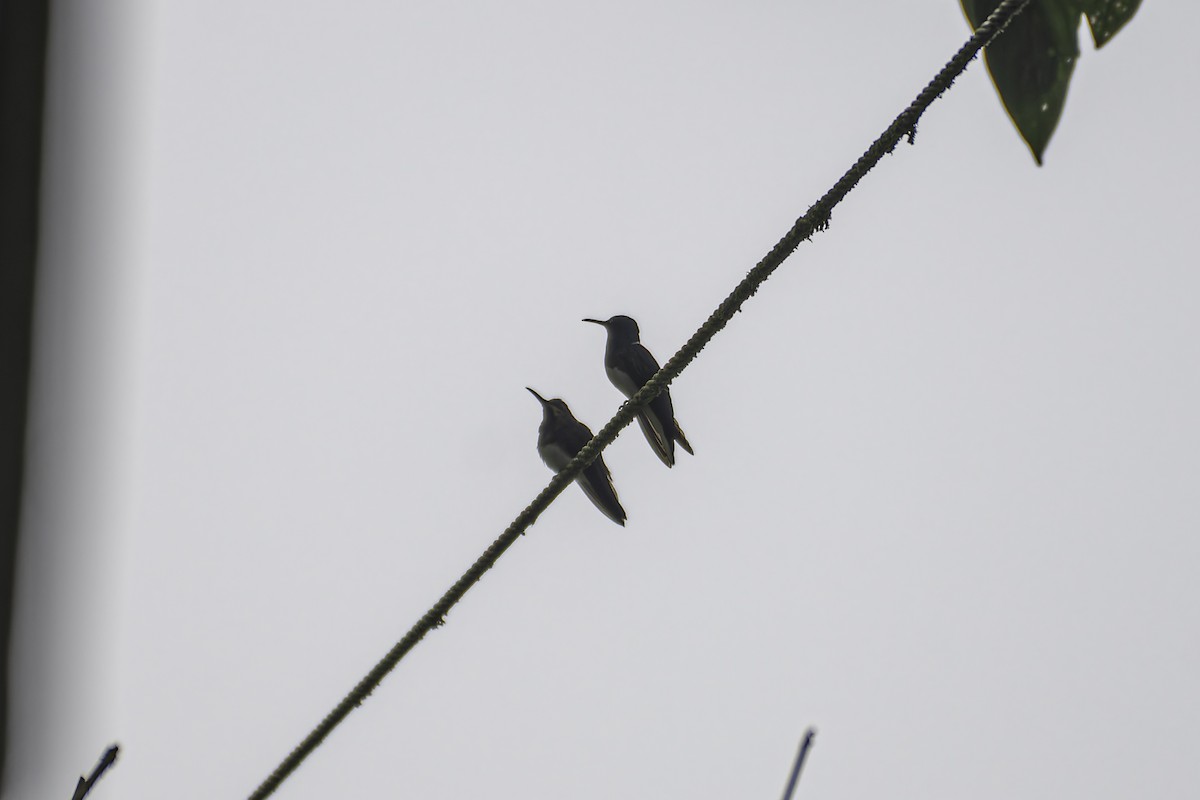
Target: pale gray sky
{"x":304,"y":257}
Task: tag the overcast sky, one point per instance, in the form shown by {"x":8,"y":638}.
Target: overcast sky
{"x":304,"y":257}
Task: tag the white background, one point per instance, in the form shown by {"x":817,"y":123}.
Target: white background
{"x":304,"y":257}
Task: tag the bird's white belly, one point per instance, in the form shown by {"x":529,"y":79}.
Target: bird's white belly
{"x":555,"y":456}
{"x":622,"y":381}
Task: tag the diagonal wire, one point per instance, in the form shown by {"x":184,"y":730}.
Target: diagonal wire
{"x":814,"y":220}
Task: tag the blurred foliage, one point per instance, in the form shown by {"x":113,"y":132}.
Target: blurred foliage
{"x":1032,"y":61}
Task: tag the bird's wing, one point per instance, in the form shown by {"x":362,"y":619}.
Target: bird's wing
{"x":559,"y":443}
{"x":641,"y":364}
{"x":662,"y":410}
{"x":596,"y":482}
{"x":655,"y":436}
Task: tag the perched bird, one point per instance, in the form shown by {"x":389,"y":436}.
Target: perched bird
{"x":560,"y":438}
{"x":629,"y":366}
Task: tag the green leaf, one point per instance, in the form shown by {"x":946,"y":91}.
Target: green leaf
{"x":1106,"y":17}
{"x":1031,"y":63}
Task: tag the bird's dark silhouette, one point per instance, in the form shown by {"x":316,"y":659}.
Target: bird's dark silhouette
{"x":629,"y":365}
{"x":560,"y":438}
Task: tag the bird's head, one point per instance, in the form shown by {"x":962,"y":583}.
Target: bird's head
{"x":620,"y":327}
{"x":551,"y":408}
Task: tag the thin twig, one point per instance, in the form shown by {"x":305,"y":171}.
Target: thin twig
{"x":817,"y":218}
{"x":800,"y":756}
{"x":84,"y":786}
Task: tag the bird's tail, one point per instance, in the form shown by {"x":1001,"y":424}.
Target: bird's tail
{"x":683,"y":442}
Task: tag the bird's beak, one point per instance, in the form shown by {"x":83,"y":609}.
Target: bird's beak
{"x":541,"y":399}
{"x":595,"y":321}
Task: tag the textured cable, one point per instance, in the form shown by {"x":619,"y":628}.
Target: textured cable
{"x":816,"y":219}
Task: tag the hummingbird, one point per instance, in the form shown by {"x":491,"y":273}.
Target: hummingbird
{"x":560,"y":438}
{"x":629,"y":365}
